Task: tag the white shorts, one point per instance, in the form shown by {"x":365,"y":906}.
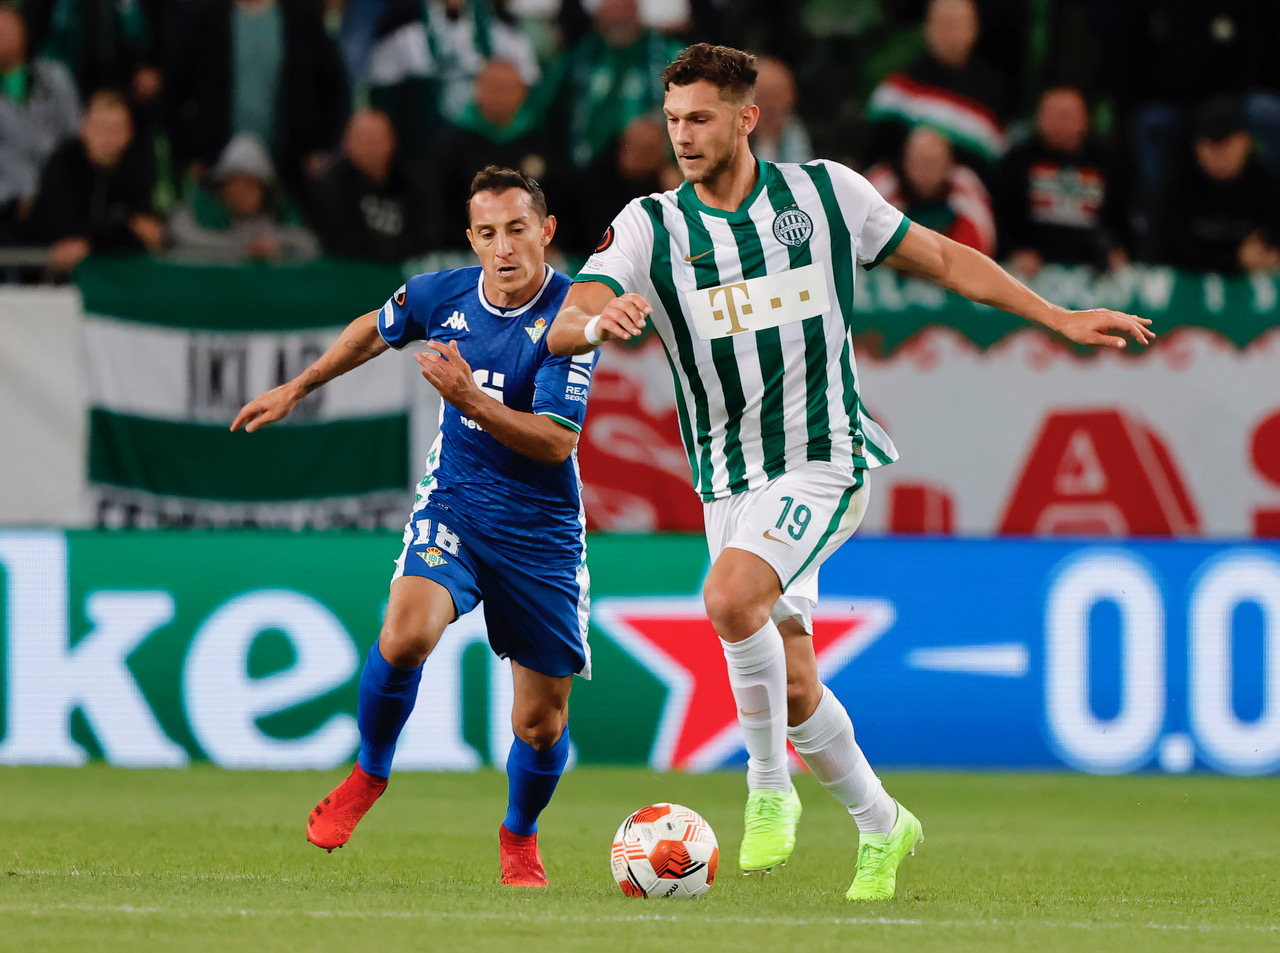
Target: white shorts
{"x":793,"y":523}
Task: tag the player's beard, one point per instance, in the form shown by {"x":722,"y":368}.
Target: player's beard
{"x":713,"y":170}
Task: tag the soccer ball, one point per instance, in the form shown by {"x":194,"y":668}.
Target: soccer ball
{"x":664,"y":850}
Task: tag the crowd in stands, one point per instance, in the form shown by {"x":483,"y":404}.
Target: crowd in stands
{"x":1066,"y":131}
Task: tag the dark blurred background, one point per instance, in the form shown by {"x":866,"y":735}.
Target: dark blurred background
{"x":1075,"y":131}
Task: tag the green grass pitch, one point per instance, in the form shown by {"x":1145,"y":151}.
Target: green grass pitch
{"x":201,"y":859}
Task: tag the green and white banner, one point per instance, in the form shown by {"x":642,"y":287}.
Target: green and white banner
{"x":173,"y":353}
{"x":1003,"y":430}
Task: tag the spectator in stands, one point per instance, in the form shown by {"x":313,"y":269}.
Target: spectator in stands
{"x":1056,"y":199}
{"x":639,"y":164}
{"x":780,"y":135}
{"x":245,"y":218}
{"x":423,"y":69}
{"x":931,"y":188}
{"x":1224,"y":215}
{"x":501,"y":127}
{"x":608,"y":79}
{"x":39,"y":108}
{"x":259,"y":66}
{"x":371,"y":204}
{"x":357,"y":33}
{"x":673,"y":17}
{"x":107,"y":44}
{"x":95,"y":193}
{"x":947,"y":87}
{"x":1167,"y":58}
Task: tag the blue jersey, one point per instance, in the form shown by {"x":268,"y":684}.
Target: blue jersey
{"x":497,"y":492}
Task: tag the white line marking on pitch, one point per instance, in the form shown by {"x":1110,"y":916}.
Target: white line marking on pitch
{"x":37,"y":909}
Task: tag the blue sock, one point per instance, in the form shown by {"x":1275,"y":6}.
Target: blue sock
{"x":387,"y":694}
{"x":532,"y":776}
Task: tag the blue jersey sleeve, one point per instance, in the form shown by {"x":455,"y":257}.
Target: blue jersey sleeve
{"x":404,"y":317}
{"x":561,"y":387}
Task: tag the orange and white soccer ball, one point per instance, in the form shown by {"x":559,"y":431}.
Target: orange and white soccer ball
{"x":664,"y":850}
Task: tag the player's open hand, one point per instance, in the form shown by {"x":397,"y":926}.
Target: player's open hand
{"x":1104,"y":328}
{"x":445,"y":370}
{"x":267,"y":408}
{"x":623,"y":318}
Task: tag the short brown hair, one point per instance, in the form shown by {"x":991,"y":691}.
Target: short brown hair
{"x":731,"y":71}
{"x":496,"y":178}
{"x":111,"y":98}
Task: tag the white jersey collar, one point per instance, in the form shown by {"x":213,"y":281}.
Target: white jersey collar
{"x":513,"y":312}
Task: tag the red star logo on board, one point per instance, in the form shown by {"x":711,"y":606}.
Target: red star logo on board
{"x":674,"y":640}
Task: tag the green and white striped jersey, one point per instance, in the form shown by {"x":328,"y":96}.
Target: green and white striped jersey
{"x":755,"y":309}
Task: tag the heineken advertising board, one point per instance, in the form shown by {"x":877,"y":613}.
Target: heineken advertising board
{"x":244,"y":649}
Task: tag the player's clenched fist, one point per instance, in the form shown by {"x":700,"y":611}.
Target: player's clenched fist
{"x":622,"y":319}
{"x":444,"y":368}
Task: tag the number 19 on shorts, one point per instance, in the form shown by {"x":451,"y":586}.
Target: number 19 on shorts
{"x":795,"y":518}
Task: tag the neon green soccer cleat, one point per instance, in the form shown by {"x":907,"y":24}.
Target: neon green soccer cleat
{"x":879,"y":856}
{"x":770,"y":834}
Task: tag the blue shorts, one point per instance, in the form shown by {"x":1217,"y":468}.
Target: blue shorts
{"x":535,"y":610}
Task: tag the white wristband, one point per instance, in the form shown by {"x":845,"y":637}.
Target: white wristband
{"x":589,"y":332}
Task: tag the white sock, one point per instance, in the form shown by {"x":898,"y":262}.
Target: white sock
{"x":758,"y":677}
{"x":826,"y":744}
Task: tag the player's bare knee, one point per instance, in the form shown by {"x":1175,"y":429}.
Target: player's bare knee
{"x":539,"y":729}
{"x":405,"y":646}
{"x":732,"y":611}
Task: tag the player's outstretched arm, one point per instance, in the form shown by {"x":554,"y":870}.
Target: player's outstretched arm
{"x":355,"y":345}
{"x":968,"y":272}
{"x":592,"y":313}
{"x":535,"y":436}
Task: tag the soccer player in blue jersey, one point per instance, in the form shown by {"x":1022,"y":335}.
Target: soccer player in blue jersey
{"x":498,"y":517}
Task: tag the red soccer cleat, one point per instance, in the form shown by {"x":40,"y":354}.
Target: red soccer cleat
{"x":521,"y":863}
{"x":333,"y":819}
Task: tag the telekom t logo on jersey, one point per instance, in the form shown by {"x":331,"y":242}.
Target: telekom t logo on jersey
{"x":734,"y":326}
{"x":770,"y":301}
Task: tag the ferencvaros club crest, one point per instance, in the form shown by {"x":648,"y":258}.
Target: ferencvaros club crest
{"x":793,"y":227}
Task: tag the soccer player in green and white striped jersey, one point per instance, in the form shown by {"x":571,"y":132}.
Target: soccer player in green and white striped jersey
{"x":747,"y":272}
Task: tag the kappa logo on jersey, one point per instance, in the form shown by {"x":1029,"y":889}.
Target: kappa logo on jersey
{"x":793,"y":226}
{"x":433,"y":557}
{"x":674,"y":640}
{"x":606,"y":239}
{"x":539,"y":328}
{"x":579,"y":377}
{"x":457,"y":321}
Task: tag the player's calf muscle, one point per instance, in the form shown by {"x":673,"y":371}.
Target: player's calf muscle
{"x":804,"y":691}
